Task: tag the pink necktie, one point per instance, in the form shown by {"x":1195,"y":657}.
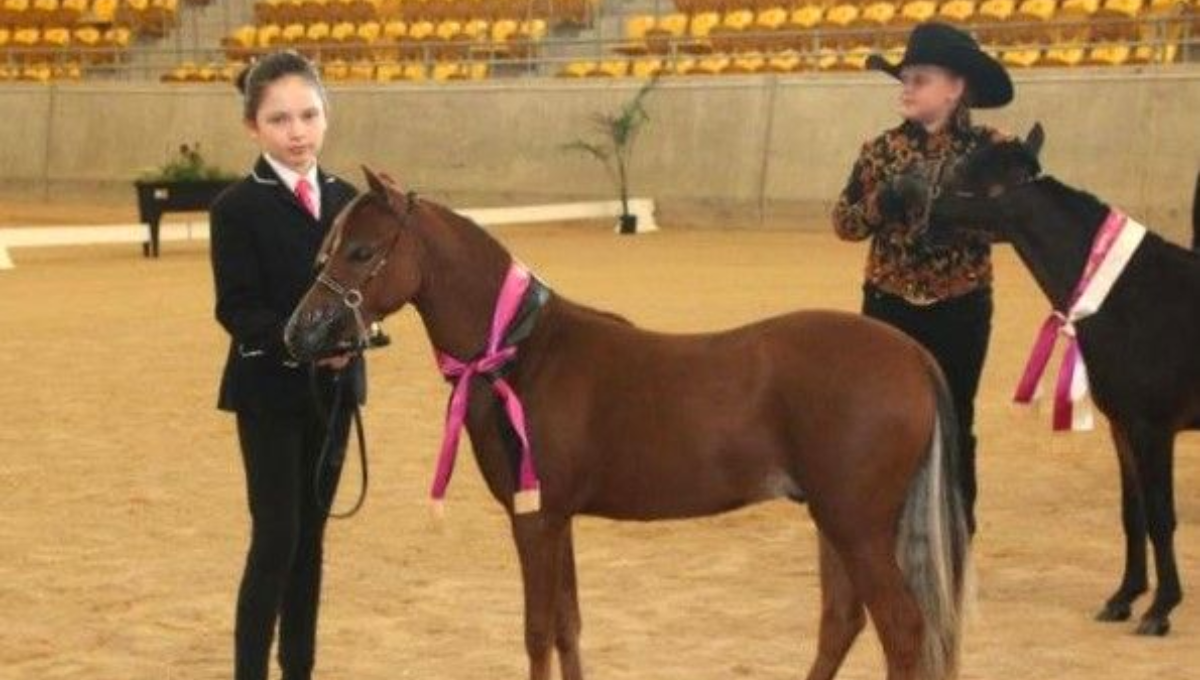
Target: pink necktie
{"x":304,"y":193}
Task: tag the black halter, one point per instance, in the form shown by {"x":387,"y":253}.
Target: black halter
{"x":367,"y":337}
{"x":351,"y":296}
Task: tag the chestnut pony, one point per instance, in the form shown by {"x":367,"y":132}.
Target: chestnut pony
{"x":829,"y":409}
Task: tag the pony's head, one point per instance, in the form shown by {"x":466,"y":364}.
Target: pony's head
{"x":369,"y":266}
{"x":972,"y":189}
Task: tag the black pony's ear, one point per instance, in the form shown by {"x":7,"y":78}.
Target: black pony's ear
{"x":374,"y":182}
{"x":1035,"y":139}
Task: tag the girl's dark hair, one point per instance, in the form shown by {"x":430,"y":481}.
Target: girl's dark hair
{"x":252,"y":82}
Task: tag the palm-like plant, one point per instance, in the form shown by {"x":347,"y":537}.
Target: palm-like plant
{"x":613,"y":144}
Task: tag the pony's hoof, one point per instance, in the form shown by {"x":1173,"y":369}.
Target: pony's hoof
{"x":1154,"y":626}
{"x":1114,"y":611}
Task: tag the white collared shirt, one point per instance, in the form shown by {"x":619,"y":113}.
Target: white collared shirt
{"x":291,"y":178}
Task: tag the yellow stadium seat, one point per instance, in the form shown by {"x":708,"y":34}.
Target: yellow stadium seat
{"x":230,"y":70}
{"x":680,"y":66}
{"x":42,"y":11}
{"x":335,"y":70}
{"x":27,"y":37}
{"x":1063,"y":56}
{"x":712,"y":65}
{"x":1109,"y":54}
{"x":577,"y":69}
{"x":749,"y":62}
{"x":69,"y":70}
{"x":16,"y":13}
{"x":996,"y":10}
{"x":916,"y":11}
{"x":118,"y":37}
{"x":698,"y":41}
{"x":292,"y":34}
{"x":1036,"y":10}
{"x":36,"y":73}
{"x":876,"y":14}
{"x":647,"y":67}
{"x":56,"y":37}
{"x":667,"y":29}
{"x":361,"y":70}
{"x":636,"y":27}
{"x":806,"y":17}
{"x":610,"y":68}
{"x":395,"y":30}
{"x":104,"y":11}
{"x":728,"y":36}
{"x":841,"y":15}
{"x":421,"y":30}
{"x":1074,"y":8}
{"x":957,"y":11}
{"x":1021,"y":57}
{"x":269,"y":35}
{"x":768,"y":24}
{"x":788,"y":61}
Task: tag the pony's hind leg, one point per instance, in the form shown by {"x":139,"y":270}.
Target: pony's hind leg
{"x":842,"y":614}
{"x":540,"y":539}
{"x":1119,"y":607}
{"x":894,"y":611}
{"x":568,"y":620}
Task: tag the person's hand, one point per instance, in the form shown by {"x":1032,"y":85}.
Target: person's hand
{"x":336,"y":363}
{"x":900,"y":195}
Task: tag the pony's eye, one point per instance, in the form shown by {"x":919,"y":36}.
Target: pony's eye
{"x":361,"y":254}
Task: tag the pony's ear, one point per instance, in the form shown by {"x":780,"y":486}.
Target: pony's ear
{"x":1035,"y":139}
{"x":374,"y":182}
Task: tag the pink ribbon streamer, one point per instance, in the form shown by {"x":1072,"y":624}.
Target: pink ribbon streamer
{"x":1060,"y":323}
{"x":528,"y":497}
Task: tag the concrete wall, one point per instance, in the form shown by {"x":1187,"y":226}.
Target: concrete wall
{"x":739,"y":152}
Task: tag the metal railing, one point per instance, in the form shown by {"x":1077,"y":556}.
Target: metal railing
{"x":1162,"y":39}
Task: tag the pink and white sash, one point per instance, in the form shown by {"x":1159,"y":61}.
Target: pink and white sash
{"x":1116,"y":242}
{"x":527,"y":498}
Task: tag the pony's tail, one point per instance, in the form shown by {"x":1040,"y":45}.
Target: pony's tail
{"x":933,"y":548}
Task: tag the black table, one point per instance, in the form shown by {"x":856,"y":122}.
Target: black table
{"x":158,"y":198}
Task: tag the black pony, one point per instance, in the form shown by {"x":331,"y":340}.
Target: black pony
{"x":1141,"y":349}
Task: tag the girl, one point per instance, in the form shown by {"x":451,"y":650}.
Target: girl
{"x":937,"y":292}
{"x":266,"y":231}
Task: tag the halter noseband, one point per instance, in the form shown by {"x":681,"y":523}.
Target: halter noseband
{"x":351,"y":297}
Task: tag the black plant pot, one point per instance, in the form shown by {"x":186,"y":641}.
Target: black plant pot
{"x":628,"y":224}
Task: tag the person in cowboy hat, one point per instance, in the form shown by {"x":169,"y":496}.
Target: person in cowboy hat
{"x":938,"y":292}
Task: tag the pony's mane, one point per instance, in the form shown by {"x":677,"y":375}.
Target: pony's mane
{"x":466,"y":223}
{"x":1065,"y":192}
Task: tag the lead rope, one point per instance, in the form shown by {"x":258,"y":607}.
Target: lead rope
{"x":332,"y":453}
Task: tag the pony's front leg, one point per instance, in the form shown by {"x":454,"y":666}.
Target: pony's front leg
{"x":569,"y":621}
{"x":540,"y":542}
{"x":1119,"y":607}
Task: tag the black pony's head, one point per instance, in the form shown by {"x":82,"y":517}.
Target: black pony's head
{"x":969,"y":190}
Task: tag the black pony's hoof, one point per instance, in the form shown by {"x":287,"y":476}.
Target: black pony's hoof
{"x":1114,"y":612}
{"x":1154,"y":626}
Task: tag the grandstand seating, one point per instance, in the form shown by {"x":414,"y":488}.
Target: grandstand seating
{"x":445,"y":40}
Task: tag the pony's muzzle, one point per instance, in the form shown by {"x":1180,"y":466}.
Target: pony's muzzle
{"x":314,"y":333}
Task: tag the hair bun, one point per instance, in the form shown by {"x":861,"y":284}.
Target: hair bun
{"x":240,"y":81}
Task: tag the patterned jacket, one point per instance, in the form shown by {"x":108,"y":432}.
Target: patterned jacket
{"x":903,"y":260}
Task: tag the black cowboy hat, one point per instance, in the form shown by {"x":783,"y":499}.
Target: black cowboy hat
{"x":938,"y":44}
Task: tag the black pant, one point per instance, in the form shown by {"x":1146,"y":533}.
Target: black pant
{"x":956,"y":332}
{"x":282,"y":578}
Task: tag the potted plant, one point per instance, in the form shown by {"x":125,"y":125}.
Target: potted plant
{"x":615,"y":135}
{"x":185,"y":183}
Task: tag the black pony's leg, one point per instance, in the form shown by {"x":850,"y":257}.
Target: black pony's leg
{"x":1155,"y":450}
{"x":1133,"y":519}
